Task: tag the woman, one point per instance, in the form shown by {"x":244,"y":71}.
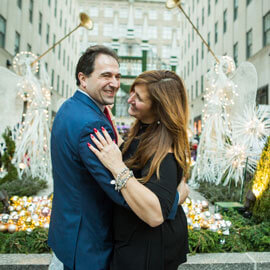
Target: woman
{"x":156,"y":154}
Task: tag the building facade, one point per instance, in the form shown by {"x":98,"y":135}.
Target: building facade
{"x":35,"y":26}
{"x":144,"y":34}
{"x":237,"y":28}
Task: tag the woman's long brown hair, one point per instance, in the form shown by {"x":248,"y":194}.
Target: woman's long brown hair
{"x":170,"y":107}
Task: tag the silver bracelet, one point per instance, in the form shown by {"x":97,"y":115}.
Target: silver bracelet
{"x":119,"y":175}
{"x":122,"y":182}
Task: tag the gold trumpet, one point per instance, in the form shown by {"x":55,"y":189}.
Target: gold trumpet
{"x":86,"y":22}
{"x":170,"y":4}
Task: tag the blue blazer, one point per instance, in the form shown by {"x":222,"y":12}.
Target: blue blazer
{"x":81,"y":220}
{"x":80,"y":230}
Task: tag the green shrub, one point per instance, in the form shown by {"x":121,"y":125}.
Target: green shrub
{"x":6,"y":158}
{"x":23,"y":242}
{"x":27,"y":186}
{"x":245,"y":235}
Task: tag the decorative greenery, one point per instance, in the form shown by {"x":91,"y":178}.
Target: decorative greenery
{"x":261,"y":186}
{"x":27,"y":186}
{"x":6,"y":158}
{"x":245,"y":235}
{"x":219,"y":193}
{"x":23,"y":242}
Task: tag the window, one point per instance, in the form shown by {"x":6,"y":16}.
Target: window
{"x":31,"y":7}
{"x":188,"y":40}
{"x":49,"y":3}
{"x":107,"y":29}
{"x":216,"y":1}
{"x":235,"y":53}
{"x":46,"y":66}
{"x":208,"y":39}
{"x":40,"y":23}
{"x":202,"y":86}
{"x":2,"y":32}
{"x":197,"y":57}
{"x":66,"y":91}
{"x":262,"y":95}
{"x":48,"y":34}
{"x":54,"y":37}
{"x":216,"y":32}
{"x":166,"y":51}
{"x":64,"y":57}
{"x":152,"y":32}
{"x":192,"y":62}
{"x":61,"y":17}
{"x":19,"y":4}
{"x":17,"y":42}
{"x":225,"y":21}
{"x":191,"y":92}
{"x":123,"y":12}
{"x":185,"y":72}
{"x":235,"y":9}
{"x":266,"y":29}
{"x":63,"y":88}
{"x":248,"y":2}
{"x":52,"y":78}
{"x":167,"y":33}
{"x":108,"y":12}
{"x":167,"y":15}
{"x":202,"y":50}
{"x":68,"y":63}
{"x":192,"y":34}
{"x":138,"y":13}
{"x":93,"y":11}
{"x":188,"y":66}
{"x":59,"y":51}
{"x":198,"y":26}
{"x":249,"y":43}
{"x":203,"y":16}
{"x":29,"y":47}
{"x":122,"y":29}
{"x":138,"y":31}
{"x":58,"y":82}
{"x":65,"y":27}
{"x":152,"y":14}
{"x":55,"y":8}
{"x":209,"y":7}
{"x":197,"y":86}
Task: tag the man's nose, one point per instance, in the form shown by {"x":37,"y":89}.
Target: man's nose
{"x":115,"y":82}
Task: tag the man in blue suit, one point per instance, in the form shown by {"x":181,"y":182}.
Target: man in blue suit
{"x":81,"y":220}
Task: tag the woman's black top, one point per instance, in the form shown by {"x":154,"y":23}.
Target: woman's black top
{"x":141,"y":247}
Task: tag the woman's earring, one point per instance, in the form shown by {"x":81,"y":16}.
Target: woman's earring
{"x":158,"y":122}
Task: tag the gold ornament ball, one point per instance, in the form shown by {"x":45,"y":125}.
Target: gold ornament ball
{"x":3,"y":227}
{"x":12,"y":228}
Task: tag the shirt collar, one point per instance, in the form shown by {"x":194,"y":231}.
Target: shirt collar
{"x":101,"y":107}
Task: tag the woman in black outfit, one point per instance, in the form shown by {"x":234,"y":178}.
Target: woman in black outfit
{"x":157,"y":155}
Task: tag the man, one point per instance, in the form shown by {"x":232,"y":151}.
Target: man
{"x":80,"y":229}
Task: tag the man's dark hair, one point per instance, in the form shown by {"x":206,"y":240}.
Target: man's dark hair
{"x":87,"y":60}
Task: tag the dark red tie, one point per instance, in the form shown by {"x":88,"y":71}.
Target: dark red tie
{"x":107,"y":114}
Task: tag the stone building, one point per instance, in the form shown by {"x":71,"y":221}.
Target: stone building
{"x":237,"y":28}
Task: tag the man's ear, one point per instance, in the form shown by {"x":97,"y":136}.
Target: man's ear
{"x":82,"y":78}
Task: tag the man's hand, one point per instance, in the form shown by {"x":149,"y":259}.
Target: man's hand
{"x":183,"y":191}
